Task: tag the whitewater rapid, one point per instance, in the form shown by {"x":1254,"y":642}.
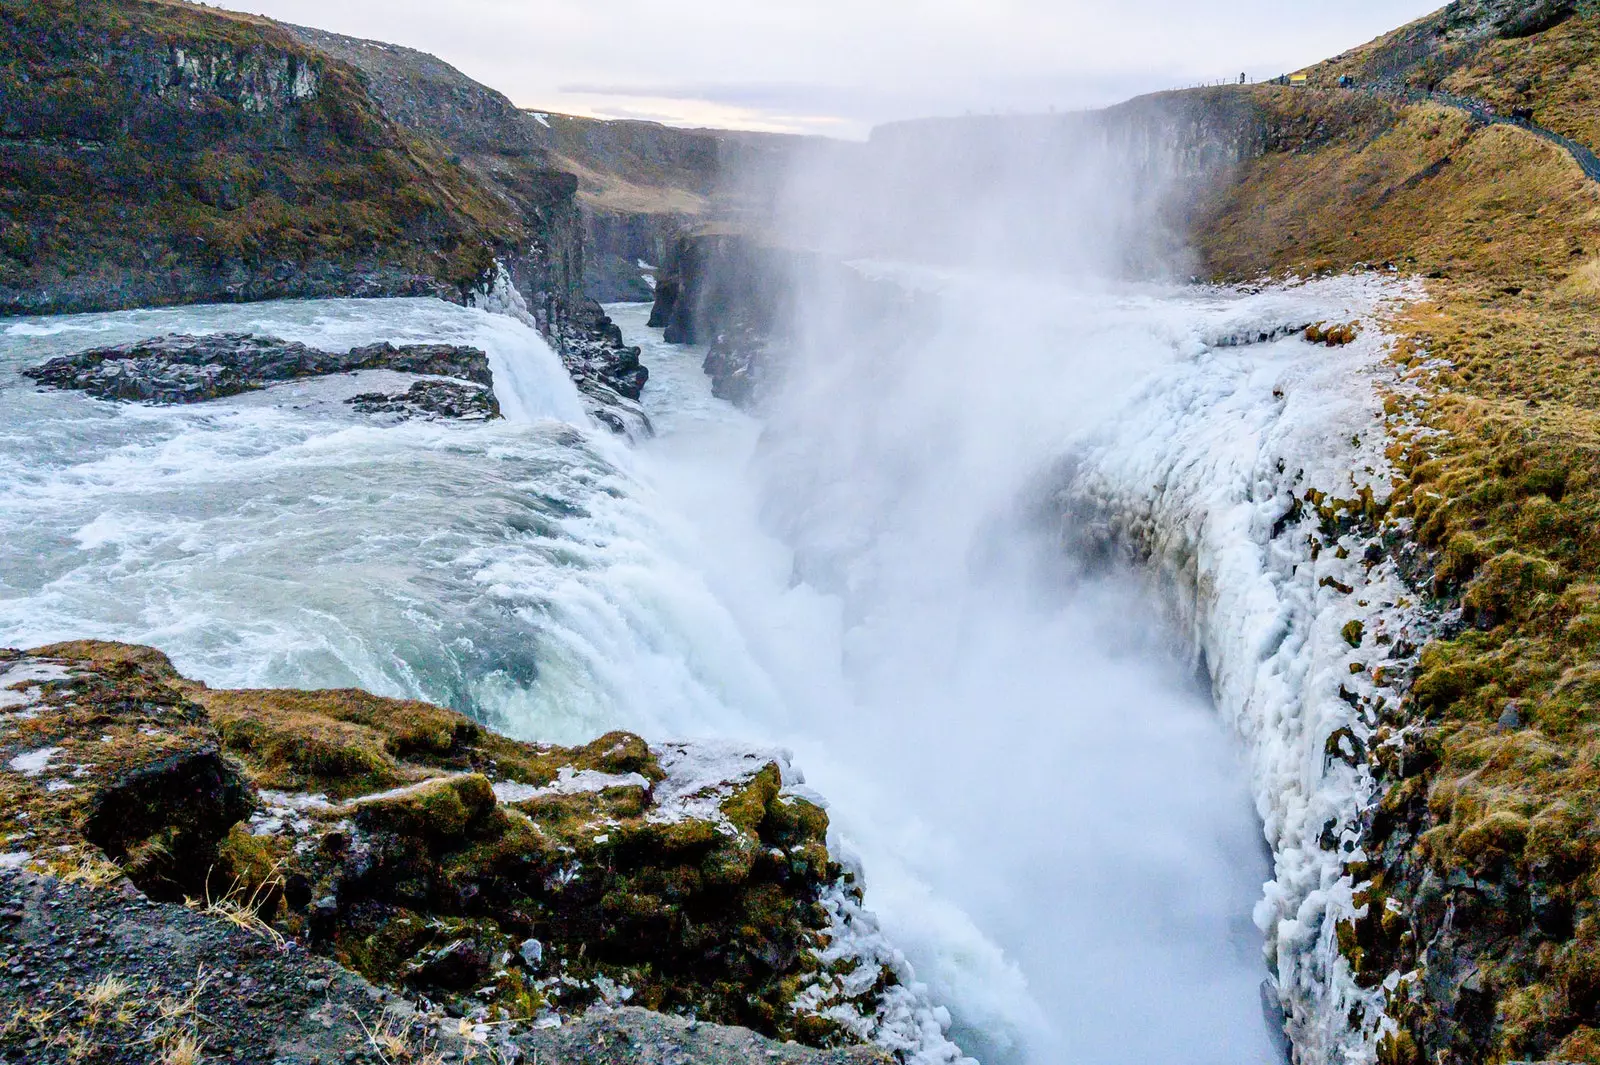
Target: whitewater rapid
{"x":1055,"y":825}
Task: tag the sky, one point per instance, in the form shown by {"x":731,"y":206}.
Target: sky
{"x":838,"y":67}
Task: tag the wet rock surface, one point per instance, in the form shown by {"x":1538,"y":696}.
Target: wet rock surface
{"x":324,"y":839}
{"x":458,"y":400}
{"x":607,"y":371}
{"x":192,"y":369}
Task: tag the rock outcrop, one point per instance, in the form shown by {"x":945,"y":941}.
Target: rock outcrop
{"x":456,"y":400}
{"x":111,"y":977}
{"x":155,"y":153}
{"x":513,"y":885}
{"x":187,"y":369}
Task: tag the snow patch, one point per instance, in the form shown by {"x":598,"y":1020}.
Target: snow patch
{"x":32,"y":763}
{"x":703,"y":774}
{"x":569,"y":781}
{"x":31,"y":673}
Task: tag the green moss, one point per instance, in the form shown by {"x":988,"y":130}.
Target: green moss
{"x":437,"y":812}
{"x":331,"y":757}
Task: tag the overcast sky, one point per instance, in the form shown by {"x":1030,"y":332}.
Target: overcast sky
{"x":841,"y":66}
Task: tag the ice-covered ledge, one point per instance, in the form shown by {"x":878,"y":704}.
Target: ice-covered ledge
{"x":1224,"y":477}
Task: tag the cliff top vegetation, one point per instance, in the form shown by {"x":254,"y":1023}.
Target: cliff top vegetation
{"x":1493,"y":797}
{"x":154,"y":152}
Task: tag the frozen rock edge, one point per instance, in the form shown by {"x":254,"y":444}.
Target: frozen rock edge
{"x":1202,"y":479}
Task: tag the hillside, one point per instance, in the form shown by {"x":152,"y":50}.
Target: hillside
{"x":155,"y":152}
{"x":1482,"y":857}
{"x":638,"y":184}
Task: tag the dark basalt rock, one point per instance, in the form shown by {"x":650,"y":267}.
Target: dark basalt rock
{"x":179,"y":808}
{"x":432,"y":399}
{"x":595,"y":351}
{"x":187,"y":369}
{"x":606,"y":371}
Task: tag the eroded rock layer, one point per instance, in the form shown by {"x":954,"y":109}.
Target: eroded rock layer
{"x":506,"y":883}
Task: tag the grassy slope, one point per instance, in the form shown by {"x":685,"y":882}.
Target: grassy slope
{"x":101,"y":177}
{"x":1506,"y":500}
{"x":1552,"y":72}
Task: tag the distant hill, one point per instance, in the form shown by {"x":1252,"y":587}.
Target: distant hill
{"x":638,"y":183}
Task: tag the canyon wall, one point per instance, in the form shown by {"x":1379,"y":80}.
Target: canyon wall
{"x":155,"y":153}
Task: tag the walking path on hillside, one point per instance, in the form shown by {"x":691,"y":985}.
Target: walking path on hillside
{"x":1480,"y":110}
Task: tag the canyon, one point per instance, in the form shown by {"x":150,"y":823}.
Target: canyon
{"x":1289,"y":386}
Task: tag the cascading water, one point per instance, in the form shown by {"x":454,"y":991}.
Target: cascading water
{"x":1053,"y":823}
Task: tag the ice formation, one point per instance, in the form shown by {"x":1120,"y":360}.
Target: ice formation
{"x":1204,"y":478}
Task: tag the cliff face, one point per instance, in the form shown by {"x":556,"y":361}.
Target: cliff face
{"x":603,"y":195}
{"x":156,"y":153}
{"x":507,"y":883}
{"x":642,"y":185}
{"x":499,"y":146}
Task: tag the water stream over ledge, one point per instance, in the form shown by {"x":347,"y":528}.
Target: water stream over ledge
{"x":1053,"y":823}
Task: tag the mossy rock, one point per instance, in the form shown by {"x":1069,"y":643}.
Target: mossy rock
{"x":431,"y":882}
{"x":435,"y":813}
{"x":126,"y":765}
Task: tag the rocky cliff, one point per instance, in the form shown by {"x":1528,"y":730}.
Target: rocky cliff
{"x":484,"y":134}
{"x":493,"y":893}
{"x":637,"y":185}
{"x":156,"y":152}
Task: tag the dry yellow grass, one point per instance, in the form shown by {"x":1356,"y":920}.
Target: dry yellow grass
{"x":1433,"y":193}
{"x":1501,"y":488}
{"x":242,"y":903}
{"x":612,"y":192}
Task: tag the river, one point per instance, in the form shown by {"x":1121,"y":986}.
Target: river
{"x":1055,"y":825}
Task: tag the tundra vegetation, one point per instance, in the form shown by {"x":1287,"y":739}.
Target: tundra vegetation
{"x":1481,"y":867}
{"x":501,"y":880}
